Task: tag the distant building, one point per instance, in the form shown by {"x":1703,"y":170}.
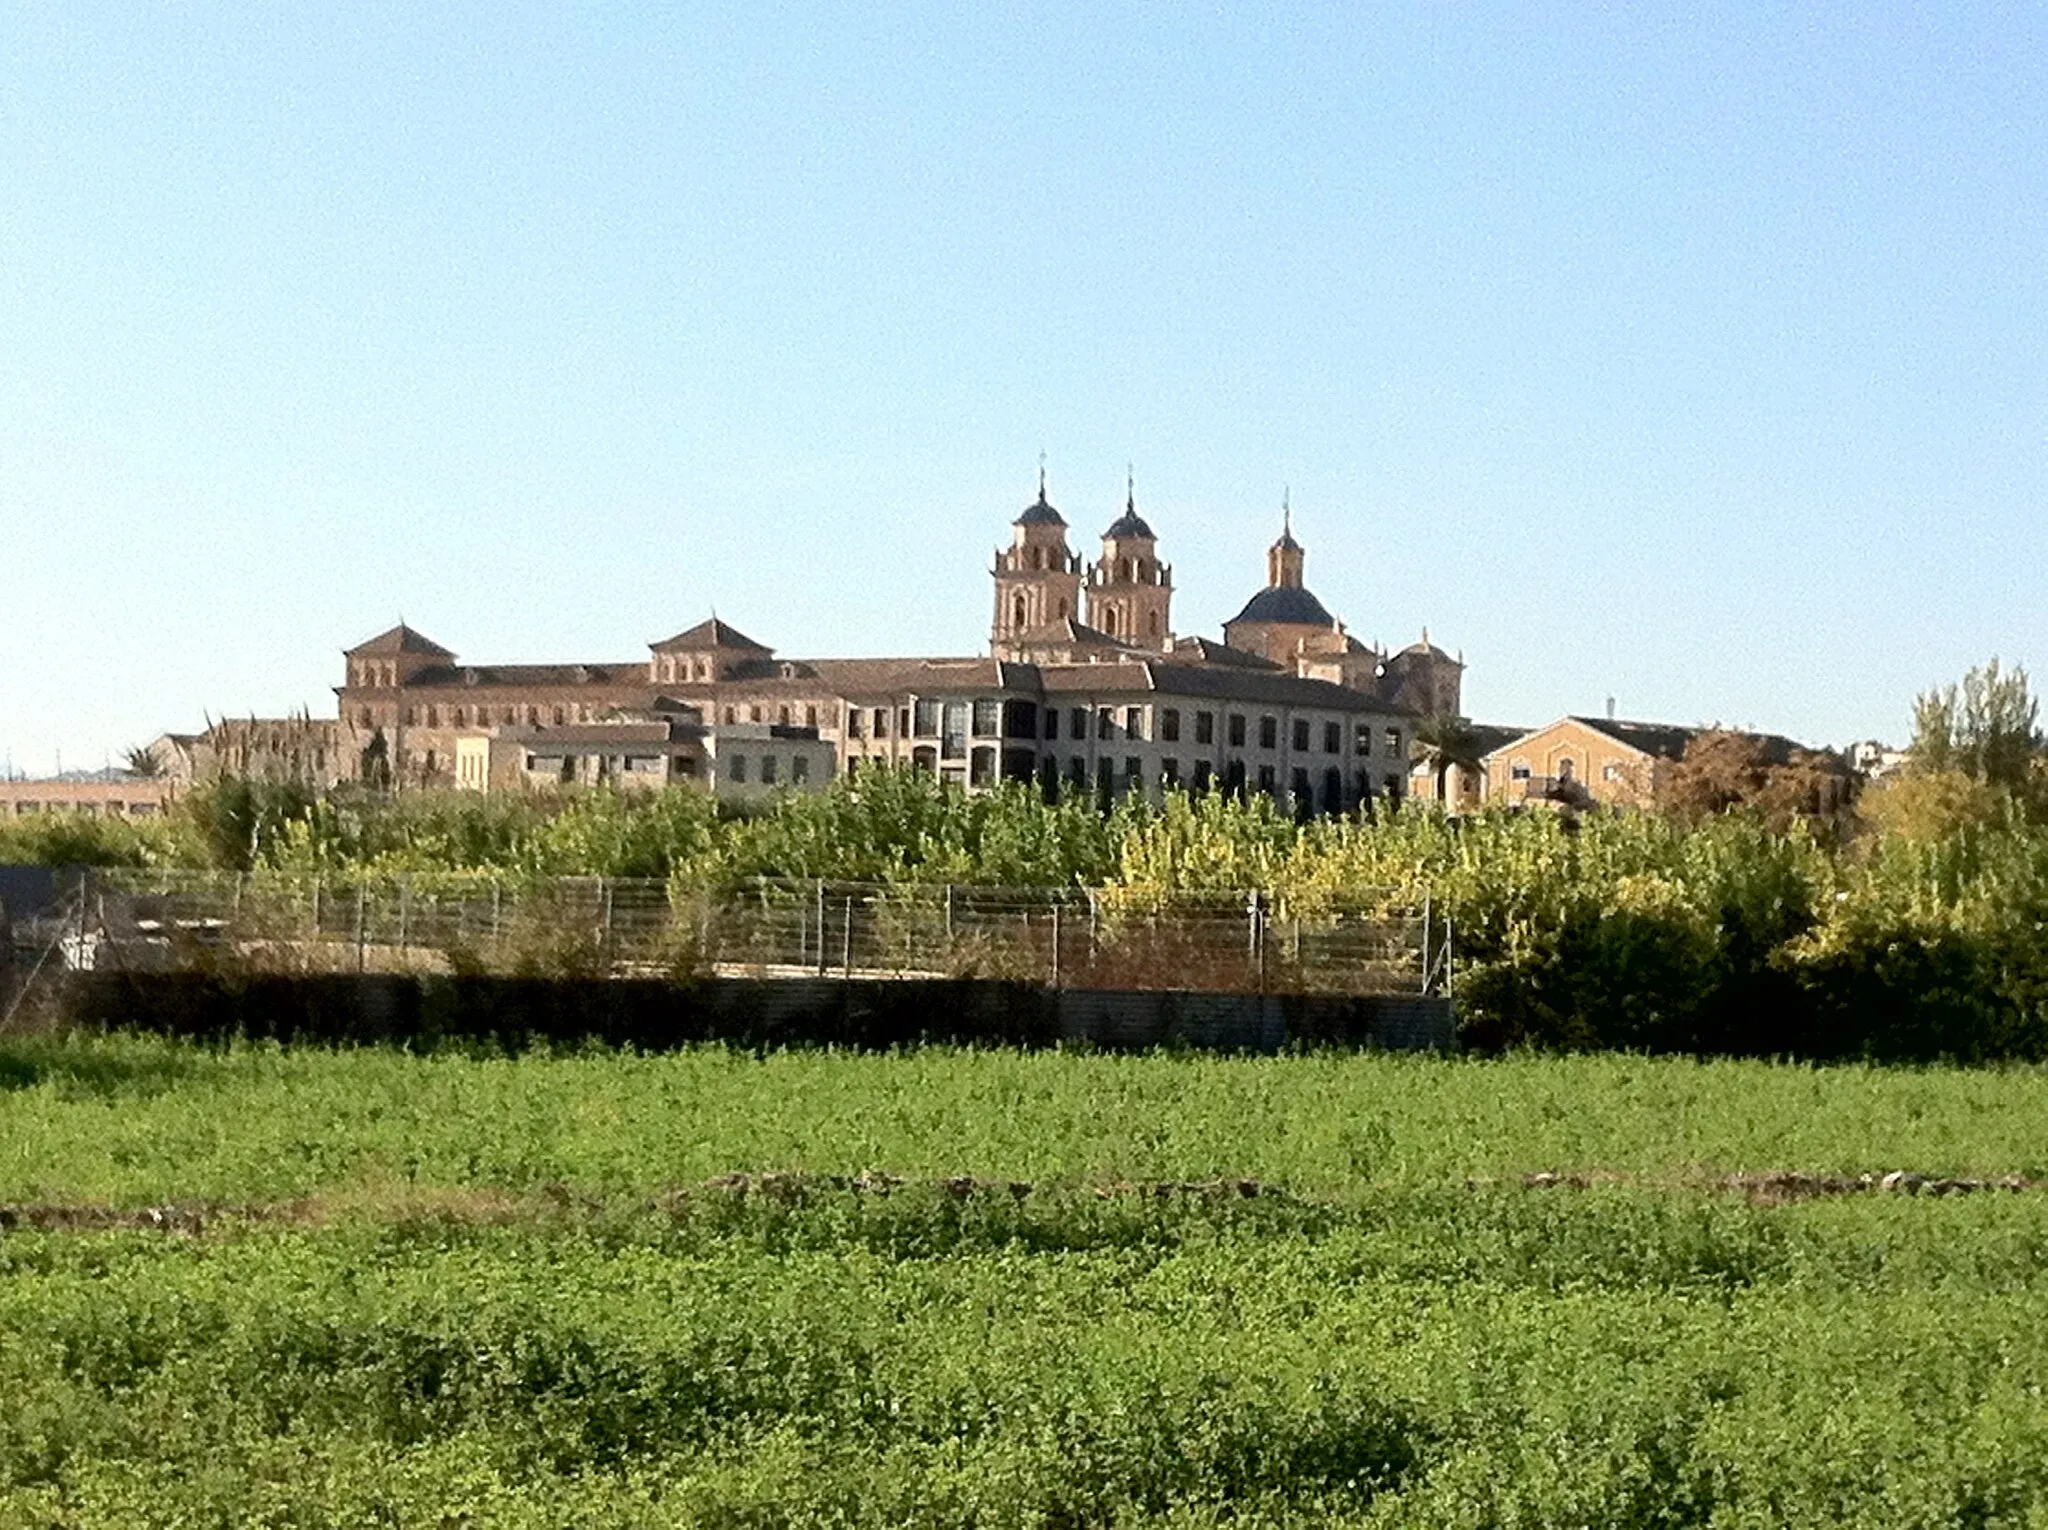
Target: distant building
{"x":1085,"y":687}
{"x":104,"y":794}
{"x":1604,"y":761}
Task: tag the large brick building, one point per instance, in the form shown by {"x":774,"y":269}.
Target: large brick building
{"x":1085,"y":685}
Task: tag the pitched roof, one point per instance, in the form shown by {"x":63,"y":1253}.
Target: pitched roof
{"x":710,"y":633}
{"x":401,"y":639}
{"x":478,"y":675}
{"x":1271,"y":687}
{"x":1068,"y":631}
{"x":1201,"y":650}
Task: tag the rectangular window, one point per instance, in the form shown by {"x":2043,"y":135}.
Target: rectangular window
{"x":981,"y":770}
{"x":1052,"y":722}
{"x":767,"y":770}
{"x":1394,"y":743}
{"x":856,"y":723}
{"x":1301,"y":735}
{"x":1363,"y":745}
{"x":881,"y":722}
{"x":1269,"y":733}
{"x":737,"y":771}
{"x":1205,"y":775}
{"x":800,"y":769}
{"x":1077,"y":771}
{"x":1393,"y":787}
{"x":953,"y":740}
{"x":1205,"y":727}
{"x":1237,"y":730}
{"x":1169,"y":772}
{"x":1333,"y":738}
{"x":988,"y":718}
{"x":1269,"y":781}
{"x":1105,"y":722}
{"x":810,"y":714}
{"x":1169,"y":725}
{"x":1079,"y":718}
{"x":1134,"y":722}
{"x":1134,"y":773}
{"x":925,"y":718}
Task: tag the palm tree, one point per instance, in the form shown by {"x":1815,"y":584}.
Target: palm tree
{"x":1444,"y":739}
{"x":143,"y":760}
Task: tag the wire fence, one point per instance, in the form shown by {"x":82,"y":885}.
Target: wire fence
{"x":1223,"y":942}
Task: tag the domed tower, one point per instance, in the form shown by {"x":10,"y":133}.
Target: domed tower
{"x":1130,"y":592}
{"x":1038,"y":579}
{"x":1284,"y":620}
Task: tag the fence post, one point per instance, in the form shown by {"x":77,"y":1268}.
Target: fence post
{"x":846,"y":941}
{"x":1258,"y":922}
{"x":316,"y":909}
{"x":949,"y":918}
{"x":604,"y":894}
{"x":1425,"y":943}
{"x":1055,"y":945}
{"x":497,"y":892}
{"x":821,"y":926}
{"x":404,"y":913}
{"x":362,"y":925}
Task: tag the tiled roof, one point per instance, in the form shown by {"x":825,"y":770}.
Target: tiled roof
{"x":710,"y":633}
{"x":401,"y":639}
{"x":1040,"y":513}
{"x":1067,"y":630}
{"x":1288,"y":604}
{"x":467,"y":675}
{"x":1201,"y":650}
{"x":1268,"y":687}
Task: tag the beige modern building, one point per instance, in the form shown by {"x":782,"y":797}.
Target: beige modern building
{"x":111,"y":794}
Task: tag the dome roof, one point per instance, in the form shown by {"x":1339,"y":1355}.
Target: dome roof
{"x":1291,"y":605}
{"x":1040,"y":513}
{"x":1130,"y":524}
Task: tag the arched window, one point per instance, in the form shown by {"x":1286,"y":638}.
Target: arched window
{"x":1126,"y":575}
{"x":1017,"y":614}
{"x":1152,"y":625}
{"x":1063,"y":610}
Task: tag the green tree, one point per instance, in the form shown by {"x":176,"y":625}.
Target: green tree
{"x":1986,"y":728}
{"x":1442,"y":740}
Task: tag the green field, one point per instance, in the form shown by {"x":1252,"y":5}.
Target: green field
{"x":313,"y":1287}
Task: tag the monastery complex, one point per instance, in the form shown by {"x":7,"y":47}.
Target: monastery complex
{"x":1085,"y":686}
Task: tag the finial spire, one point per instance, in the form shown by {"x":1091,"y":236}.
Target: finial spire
{"x":1130,"y":486}
{"x":1286,"y":510}
{"x":1041,"y":475}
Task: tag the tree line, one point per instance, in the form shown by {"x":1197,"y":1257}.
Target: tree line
{"x":1727,"y":922}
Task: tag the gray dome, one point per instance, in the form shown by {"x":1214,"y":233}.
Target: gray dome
{"x":1130,"y":524}
{"x":1288,"y":604}
{"x":1040,"y":514}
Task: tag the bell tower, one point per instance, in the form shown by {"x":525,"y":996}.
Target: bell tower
{"x":1130,"y":592}
{"x":1038,"y":579}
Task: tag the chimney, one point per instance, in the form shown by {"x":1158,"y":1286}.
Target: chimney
{"x":1610,"y":709}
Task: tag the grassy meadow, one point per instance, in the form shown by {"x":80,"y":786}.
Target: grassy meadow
{"x":307,"y":1287}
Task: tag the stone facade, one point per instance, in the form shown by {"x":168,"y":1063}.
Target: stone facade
{"x":1110,"y":704}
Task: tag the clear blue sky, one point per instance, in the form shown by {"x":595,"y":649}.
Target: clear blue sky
{"x":1698,"y":356}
